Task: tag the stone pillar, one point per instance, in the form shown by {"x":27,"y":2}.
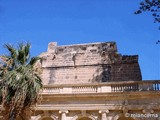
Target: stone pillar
{"x":63,"y":114}
{"x":103,"y":114}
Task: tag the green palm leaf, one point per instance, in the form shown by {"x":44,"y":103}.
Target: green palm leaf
{"x":19,"y":82}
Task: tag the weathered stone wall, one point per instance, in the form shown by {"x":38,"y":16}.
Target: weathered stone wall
{"x":87,"y":63}
{"x":126,"y":69}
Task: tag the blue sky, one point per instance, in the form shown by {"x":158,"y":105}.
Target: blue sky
{"x":82,"y":21}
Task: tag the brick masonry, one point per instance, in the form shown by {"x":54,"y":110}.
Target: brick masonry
{"x":87,"y":63}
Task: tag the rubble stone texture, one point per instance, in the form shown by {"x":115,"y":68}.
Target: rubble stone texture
{"x":87,"y":63}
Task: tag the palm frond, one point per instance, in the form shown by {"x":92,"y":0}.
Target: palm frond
{"x":27,"y":51}
{"x":34,"y":60}
{"x":12,"y":50}
{"x":21,"y":84}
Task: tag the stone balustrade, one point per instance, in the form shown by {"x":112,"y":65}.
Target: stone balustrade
{"x":102,"y":87}
{"x":84,"y":89}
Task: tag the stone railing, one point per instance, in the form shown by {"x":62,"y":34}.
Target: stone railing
{"x":102,"y":87}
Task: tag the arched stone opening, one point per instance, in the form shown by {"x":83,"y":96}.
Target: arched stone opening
{"x":123,"y":117}
{"x":84,"y":118}
{"x":46,"y":118}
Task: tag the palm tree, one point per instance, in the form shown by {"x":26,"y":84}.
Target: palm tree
{"x":19,"y":82}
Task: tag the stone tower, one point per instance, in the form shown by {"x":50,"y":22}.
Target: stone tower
{"x":88,"y":63}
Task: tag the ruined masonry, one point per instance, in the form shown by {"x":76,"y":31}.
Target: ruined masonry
{"x":88,"y":63}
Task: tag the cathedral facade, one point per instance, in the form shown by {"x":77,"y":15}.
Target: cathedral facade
{"x":94,"y":82}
